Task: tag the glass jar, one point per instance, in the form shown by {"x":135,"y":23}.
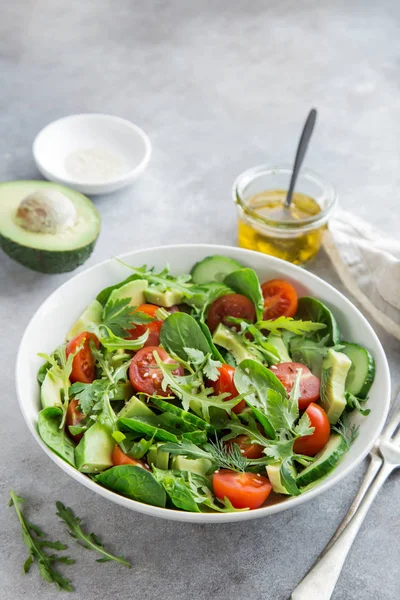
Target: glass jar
{"x":264,"y":224}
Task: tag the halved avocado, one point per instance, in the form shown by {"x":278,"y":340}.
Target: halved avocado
{"x":46,"y":226}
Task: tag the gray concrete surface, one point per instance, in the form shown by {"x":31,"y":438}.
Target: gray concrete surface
{"x":219,"y":87}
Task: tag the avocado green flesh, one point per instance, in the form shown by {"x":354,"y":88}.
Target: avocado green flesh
{"x":335,"y":367}
{"x":94,"y":452}
{"x":135,"y":408}
{"x":228,"y":339}
{"x":165,"y":299}
{"x":193,"y":465}
{"x":90,"y":316}
{"x":157,"y":457}
{"x":50,"y":391}
{"x":45,"y":252}
{"x":133,"y":290}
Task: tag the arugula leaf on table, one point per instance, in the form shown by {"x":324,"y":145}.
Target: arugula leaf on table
{"x":90,"y":541}
{"x":354,"y":403}
{"x":119,"y":316}
{"x":295,"y":326}
{"x":201,"y":401}
{"x":36,"y":543}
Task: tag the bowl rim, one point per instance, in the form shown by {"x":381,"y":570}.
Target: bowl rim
{"x":184,"y":516}
{"x":126,"y":177}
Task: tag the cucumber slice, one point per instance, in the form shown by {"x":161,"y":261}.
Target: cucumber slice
{"x":362,"y":371}
{"x":311,"y":309}
{"x":213,"y":268}
{"x":325,"y":462}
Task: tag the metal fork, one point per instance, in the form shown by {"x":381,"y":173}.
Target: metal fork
{"x":321,"y":580}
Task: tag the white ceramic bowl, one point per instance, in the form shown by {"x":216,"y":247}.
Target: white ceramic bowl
{"x":50,"y":323}
{"x":94,"y":132}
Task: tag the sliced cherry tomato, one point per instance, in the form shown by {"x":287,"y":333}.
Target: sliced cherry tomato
{"x":246,"y":448}
{"x":226,"y":384}
{"x":280,"y":299}
{"x":310,"y":445}
{"x":153,"y":327}
{"x":120,"y":458}
{"x":309,"y":383}
{"x":83,"y":365}
{"x":144,"y":373}
{"x":243,"y":490}
{"x":230,"y":305}
{"x":73,"y":417}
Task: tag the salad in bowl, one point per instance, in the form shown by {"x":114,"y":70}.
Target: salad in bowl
{"x":211,"y":391}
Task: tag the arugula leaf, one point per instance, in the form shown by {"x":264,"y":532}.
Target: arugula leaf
{"x":90,"y":541}
{"x":119,"y":316}
{"x":204,"y":294}
{"x":354,"y":403}
{"x":181,"y":331}
{"x":185,"y":448}
{"x":296,"y":326}
{"x":113,"y":342}
{"x":55,"y":438}
{"x":245,"y":281}
{"x":36,"y":547}
{"x":245,"y":424}
{"x":164,"y":281}
{"x":199,"y":402}
{"x":133,"y":482}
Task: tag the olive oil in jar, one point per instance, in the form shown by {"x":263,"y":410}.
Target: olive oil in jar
{"x":267,"y":226}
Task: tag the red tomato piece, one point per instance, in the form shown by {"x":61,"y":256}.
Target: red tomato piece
{"x":84,"y":364}
{"x":144,"y":373}
{"x":120,"y":458}
{"x":230,"y":305}
{"x":246,"y":448}
{"x":309,"y":383}
{"x":73,"y":417}
{"x":280,"y":299}
{"x":153,"y":327}
{"x":310,"y":445}
{"x":225,"y":384}
{"x":243,"y":490}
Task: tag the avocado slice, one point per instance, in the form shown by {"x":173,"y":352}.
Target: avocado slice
{"x":94,"y":452}
{"x":90,"y":316}
{"x":157,"y":457}
{"x":165,"y":299}
{"x":229,"y":339}
{"x":335,"y":367}
{"x":46,"y":226}
{"x":135,"y":408}
{"x":50,"y":392}
{"x":133,"y":290}
{"x":274,"y":476}
{"x":193,"y":465}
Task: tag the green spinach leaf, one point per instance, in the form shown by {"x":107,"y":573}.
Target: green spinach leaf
{"x":49,"y":420}
{"x":133,"y":482}
{"x":182,"y":331}
{"x":245,"y":281}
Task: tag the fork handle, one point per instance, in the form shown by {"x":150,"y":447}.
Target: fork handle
{"x":375,"y":464}
{"x":321,"y":580}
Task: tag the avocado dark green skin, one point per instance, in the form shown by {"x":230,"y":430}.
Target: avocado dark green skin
{"x":47,"y":261}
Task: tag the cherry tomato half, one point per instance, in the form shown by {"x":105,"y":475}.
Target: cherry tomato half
{"x":83,"y":365}
{"x":246,"y":448}
{"x":280,"y":299}
{"x":153,"y":327}
{"x":120,"y":458}
{"x":226,"y":384}
{"x":243,"y":490}
{"x":310,"y":445}
{"x":73,"y":417}
{"x":144,"y":373}
{"x":309,"y":383}
{"x":230,"y":305}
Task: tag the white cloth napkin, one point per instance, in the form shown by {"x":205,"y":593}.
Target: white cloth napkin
{"x":368,"y":263}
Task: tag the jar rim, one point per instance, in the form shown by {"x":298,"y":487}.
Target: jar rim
{"x":312,"y":222}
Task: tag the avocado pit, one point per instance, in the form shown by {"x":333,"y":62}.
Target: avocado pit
{"x":47,"y":211}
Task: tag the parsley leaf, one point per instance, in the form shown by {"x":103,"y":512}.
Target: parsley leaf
{"x":296,"y":326}
{"x":119,"y":316}
{"x":36,"y":543}
{"x":90,"y":541}
{"x":304,"y":427}
{"x":87,"y":393}
{"x":204,"y":362}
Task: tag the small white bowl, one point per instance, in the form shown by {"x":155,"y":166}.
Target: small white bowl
{"x":54,"y":318}
{"x":98,"y":136}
